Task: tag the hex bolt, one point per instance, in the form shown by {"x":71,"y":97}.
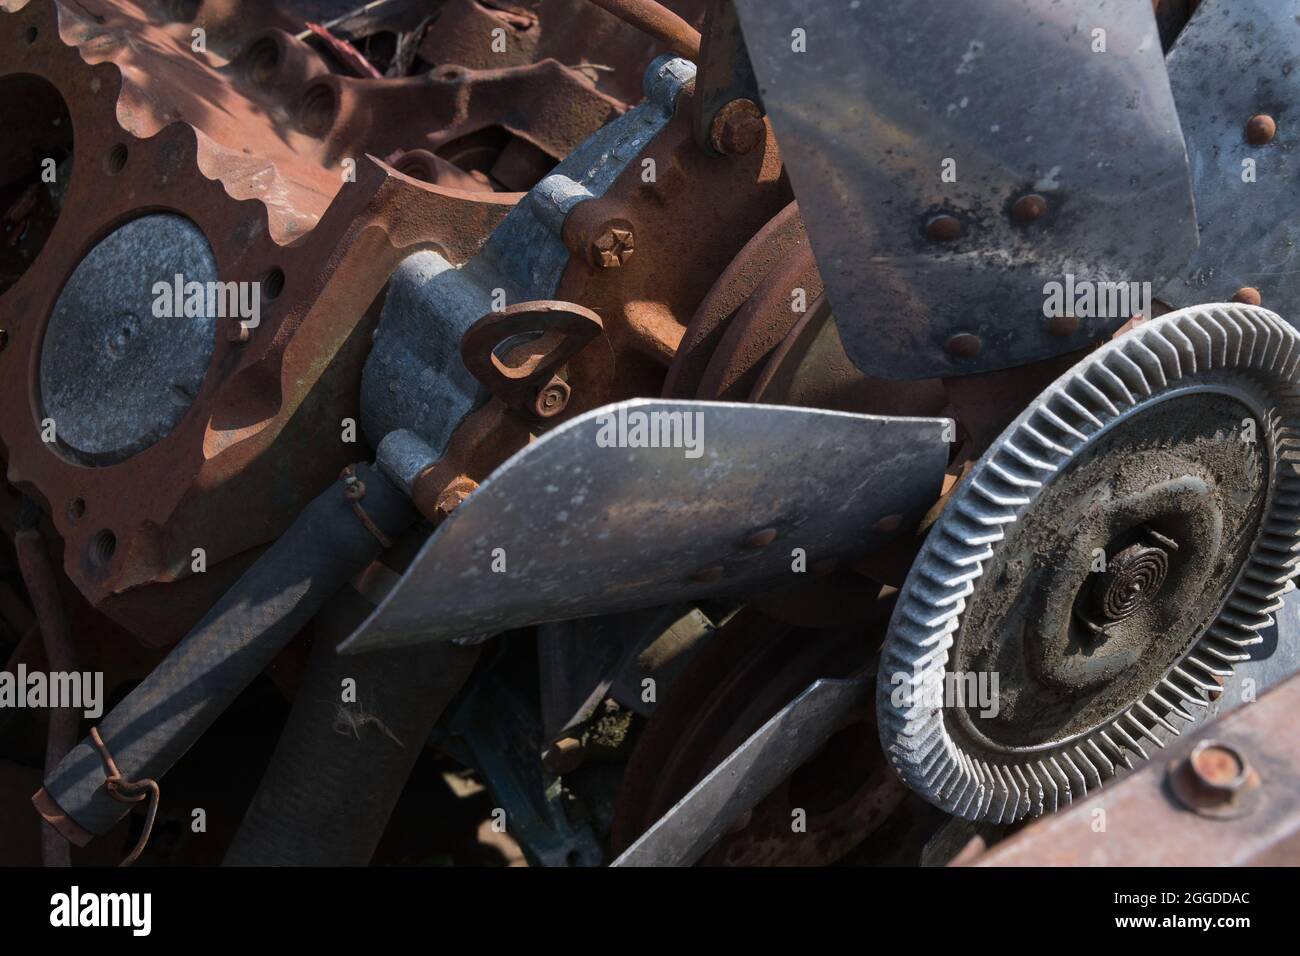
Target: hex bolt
{"x":457,"y":490}
{"x":943,"y":228}
{"x":964,"y":345}
{"x":1247,"y":295}
{"x":1216,"y":780}
{"x":1260,"y":129}
{"x":737,"y":128}
{"x":552,"y":399}
{"x":613,"y":246}
{"x":1028,"y":208}
{"x":1218,"y":767}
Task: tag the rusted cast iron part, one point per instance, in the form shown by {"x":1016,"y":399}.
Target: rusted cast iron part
{"x":562,"y":329}
{"x":1147,"y":826}
{"x":483,"y":441}
{"x":727,"y":110}
{"x":264,"y":433}
{"x":846,"y":791}
{"x":279,"y":125}
{"x":61,"y":735}
{"x":658,"y":21}
{"x":693,"y":210}
{"x":129,"y":791}
{"x":766,"y":333}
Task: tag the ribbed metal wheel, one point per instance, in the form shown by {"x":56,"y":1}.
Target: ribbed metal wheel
{"x":1214,"y":357}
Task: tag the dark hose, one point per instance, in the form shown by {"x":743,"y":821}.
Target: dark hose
{"x":43,"y":589}
{"x":340,"y":767}
{"x":162,"y":718}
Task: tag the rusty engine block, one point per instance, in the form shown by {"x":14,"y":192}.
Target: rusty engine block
{"x":328,"y":336}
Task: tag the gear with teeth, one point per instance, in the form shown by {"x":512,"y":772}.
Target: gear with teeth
{"x":1105,"y":565}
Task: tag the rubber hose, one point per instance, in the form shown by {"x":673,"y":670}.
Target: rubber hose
{"x":161,"y":719}
{"x":341,"y":765}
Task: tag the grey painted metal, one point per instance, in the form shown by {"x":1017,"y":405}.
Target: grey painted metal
{"x":1234,"y":59}
{"x":414,"y":378}
{"x":586,"y":529}
{"x":114,"y":377}
{"x":752,"y":771}
{"x":1012,"y":92}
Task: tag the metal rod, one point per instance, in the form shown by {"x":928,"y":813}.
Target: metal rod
{"x":658,"y":21}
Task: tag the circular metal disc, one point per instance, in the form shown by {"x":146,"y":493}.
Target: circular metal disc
{"x":114,"y":377}
{"x":1110,"y":558}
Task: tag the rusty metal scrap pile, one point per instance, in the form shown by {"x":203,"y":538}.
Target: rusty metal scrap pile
{"x":474,"y":396}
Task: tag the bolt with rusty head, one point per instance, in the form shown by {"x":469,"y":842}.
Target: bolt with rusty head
{"x":563,"y":756}
{"x":737,"y":128}
{"x":1215,"y":781}
{"x":457,"y":490}
{"x":943,"y":228}
{"x":1260,"y":129}
{"x":1028,"y":208}
{"x":613,"y":245}
{"x":552,"y":399}
{"x":1247,"y":295}
{"x":964,"y":345}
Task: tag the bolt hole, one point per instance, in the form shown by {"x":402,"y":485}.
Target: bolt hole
{"x":317,"y":112}
{"x":30,"y":35}
{"x":76,"y":509}
{"x":273,"y":284}
{"x":102,"y":547}
{"x":116,"y":160}
{"x":263,"y":61}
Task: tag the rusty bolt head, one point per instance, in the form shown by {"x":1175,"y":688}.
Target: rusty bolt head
{"x":943,"y":228}
{"x":1028,"y":208}
{"x":708,"y":575}
{"x":1247,"y":295}
{"x":737,"y":128}
{"x":1063,"y":326}
{"x":888,"y":524}
{"x":1215,"y":781}
{"x":457,"y":490}
{"x":759,"y":539}
{"x":1260,"y":129}
{"x":1218,"y":767}
{"x":563,"y":756}
{"x":964,"y":345}
{"x":613,"y":246}
{"x":552,"y":399}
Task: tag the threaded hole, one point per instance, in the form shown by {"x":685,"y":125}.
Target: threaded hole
{"x":116,"y":160}
{"x":273,"y":284}
{"x":317,"y":112}
{"x":263,"y":61}
{"x":102,"y":547}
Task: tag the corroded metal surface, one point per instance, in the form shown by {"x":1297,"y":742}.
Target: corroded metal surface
{"x":911,"y":130}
